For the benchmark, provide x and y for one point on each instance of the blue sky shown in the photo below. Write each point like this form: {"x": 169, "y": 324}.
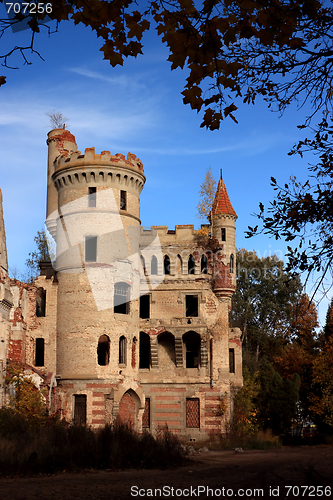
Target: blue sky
{"x": 137, "y": 108}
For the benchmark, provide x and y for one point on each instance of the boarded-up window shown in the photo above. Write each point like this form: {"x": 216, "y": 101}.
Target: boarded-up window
{"x": 146, "y": 415}
{"x": 193, "y": 413}
{"x": 92, "y": 197}
{"x": 91, "y": 249}
{"x": 232, "y": 360}
{"x": 39, "y": 352}
{"x": 40, "y": 302}
{"x": 80, "y": 409}
{"x": 145, "y": 306}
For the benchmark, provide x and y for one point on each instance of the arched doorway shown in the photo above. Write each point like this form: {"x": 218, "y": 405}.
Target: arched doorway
{"x": 128, "y": 409}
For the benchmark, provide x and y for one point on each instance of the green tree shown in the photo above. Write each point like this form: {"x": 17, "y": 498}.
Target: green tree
{"x": 262, "y": 304}
{"x": 328, "y": 328}
{"x": 41, "y": 254}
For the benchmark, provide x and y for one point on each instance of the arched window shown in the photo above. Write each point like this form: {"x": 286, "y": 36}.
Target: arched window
{"x": 122, "y": 350}
{"x": 166, "y": 350}
{"x": 231, "y": 264}
{"x": 153, "y": 266}
{"x": 166, "y": 264}
{"x": 144, "y": 350}
{"x": 103, "y": 350}
{"x": 191, "y": 265}
{"x": 122, "y": 297}
{"x": 204, "y": 264}
{"x": 191, "y": 341}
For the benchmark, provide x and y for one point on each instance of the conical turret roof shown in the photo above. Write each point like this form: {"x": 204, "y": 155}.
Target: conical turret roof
{"x": 222, "y": 204}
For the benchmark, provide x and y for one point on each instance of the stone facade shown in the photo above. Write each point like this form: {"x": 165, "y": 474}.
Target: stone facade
{"x": 129, "y": 323}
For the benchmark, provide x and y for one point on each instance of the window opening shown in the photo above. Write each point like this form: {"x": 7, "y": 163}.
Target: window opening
{"x": 122, "y": 296}
{"x": 122, "y": 350}
{"x": 80, "y": 409}
{"x": 123, "y": 200}
{"x": 192, "y": 345}
{"x": 191, "y": 265}
{"x": 146, "y": 415}
{"x": 231, "y": 360}
{"x": 223, "y": 234}
{"x": 166, "y": 264}
{"x": 153, "y": 266}
{"x": 40, "y": 302}
{"x": 91, "y": 249}
{"x": 193, "y": 413}
{"x": 231, "y": 264}
{"x": 39, "y": 352}
{"x": 192, "y": 306}
{"x": 103, "y": 350}
{"x": 204, "y": 264}
{"x": 92, "y": 197}
{"x": 179, "y": 265}
{"x": 145, "y": 306}
{"x": 144, "y": 352}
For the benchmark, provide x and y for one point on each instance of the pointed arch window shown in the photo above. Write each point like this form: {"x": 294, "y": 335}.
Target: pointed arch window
{"x": 191, "y": 265}
{"x": 179, "y": 265}
{"x": 166, "y": 263}
{"x": 153, "y": 266}
{"x": 231, "y": 264}
{"x": 204, "y": 264}
{"x": 122, "y": 350}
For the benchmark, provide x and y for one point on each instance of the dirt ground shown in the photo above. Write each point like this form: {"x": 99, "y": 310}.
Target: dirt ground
{"x": 227, "y": 474}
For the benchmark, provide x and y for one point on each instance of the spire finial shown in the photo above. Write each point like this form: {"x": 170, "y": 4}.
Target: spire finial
{"x": 221, "y": 173}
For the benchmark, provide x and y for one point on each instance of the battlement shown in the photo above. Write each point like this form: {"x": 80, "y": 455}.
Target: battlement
{"x": 105, "y": 158}
{"x": 182, "y": 233}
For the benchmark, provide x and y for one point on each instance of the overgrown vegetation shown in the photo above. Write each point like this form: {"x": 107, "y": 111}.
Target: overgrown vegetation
{"x": 56, "y": 445}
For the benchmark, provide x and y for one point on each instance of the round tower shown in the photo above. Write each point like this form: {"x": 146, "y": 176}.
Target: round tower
{"x": 98, "y": 269}
{"x": 223, "y": 218}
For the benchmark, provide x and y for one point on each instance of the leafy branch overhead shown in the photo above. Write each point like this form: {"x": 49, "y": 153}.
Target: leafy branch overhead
{"x": 234, "y": 50}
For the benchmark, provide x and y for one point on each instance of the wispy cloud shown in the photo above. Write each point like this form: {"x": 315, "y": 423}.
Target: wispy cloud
{"x": 119, "y": 81}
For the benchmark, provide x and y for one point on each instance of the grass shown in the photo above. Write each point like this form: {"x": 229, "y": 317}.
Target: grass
{"x": 57, "y": 446}
{"x": 260, "y": 440}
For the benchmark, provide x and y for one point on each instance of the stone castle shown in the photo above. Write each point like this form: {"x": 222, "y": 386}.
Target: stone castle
{"x": 127, "y": 323}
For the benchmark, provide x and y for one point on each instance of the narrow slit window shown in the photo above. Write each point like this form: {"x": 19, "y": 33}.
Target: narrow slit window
{"x": 191, "y": 265}
{"x": 223, "y": 234}
{"x": 39, "y": 352}
{"x": 204, "y": 264}
{"x": 40, "y": 302}
{"x": 166, "y": 264}
{"x": 146, "y": 415}
{"x": 123, "y": 200}
{"x": 92, "y": 197}
{"x": 231, "y": 264}
{"x": 231, "y": 360}
{"x": 91, "y": 249}
{"x": 153, "y": 266}
{"x": 122, "y": 350}
{"x": 145, "y": 306}
{"x": 144, "y": 350}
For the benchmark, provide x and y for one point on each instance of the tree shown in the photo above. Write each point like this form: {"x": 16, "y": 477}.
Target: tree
{"x": 303, "y": 212}
{"x": 38, "y": 256}
{"x": 234, "y": 50}
{"x": 262, "y": 304}
{"x": 328, "y": 328}
{"x": 207, "y": 195}
{"x": 57, "y": 119}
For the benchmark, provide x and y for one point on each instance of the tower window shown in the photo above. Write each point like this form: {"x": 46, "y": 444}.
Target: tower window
{"x": 91, "y": 249}
{"x": 123, "y": 200}
{"x": 192, "y": 306}
{"x": 39, "y": 352}
{"x": 122, "y": 350}
{"x": 231, "y": 264}
{"x": 145, "y": 306}
{"x": 122, "y": 295}
{"x": 191, "y": 265}
{"x": 223, "y": 238}
{"x": 92, "y": 197}
{"x": 204, "y": 264}
{"x": 231, "y": 360}
{"x": 103, "y": 350}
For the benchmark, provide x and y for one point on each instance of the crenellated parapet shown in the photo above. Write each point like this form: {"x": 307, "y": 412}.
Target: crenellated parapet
{"x": 98, "y": 169}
